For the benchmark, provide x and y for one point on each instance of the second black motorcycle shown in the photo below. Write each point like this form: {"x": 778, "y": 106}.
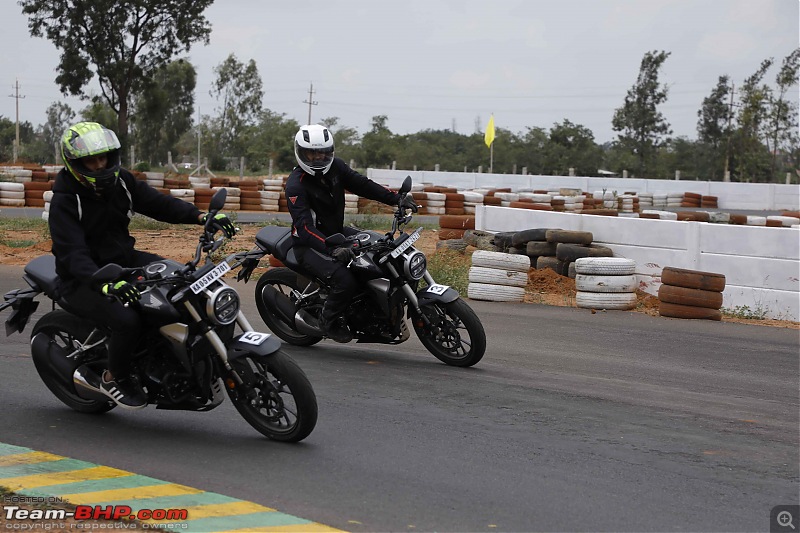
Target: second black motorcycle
{"x": 390, "y": 271}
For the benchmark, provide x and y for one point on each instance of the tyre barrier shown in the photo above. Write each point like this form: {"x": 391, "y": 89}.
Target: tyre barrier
{"x": 690, "y": 294}
{"x": 498, "y": 276}
{"x": 605, "y": 283}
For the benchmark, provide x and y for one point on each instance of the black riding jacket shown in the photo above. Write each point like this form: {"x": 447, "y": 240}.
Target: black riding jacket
{"x": 89, "y": 232}
{"x": 317, "y": 203}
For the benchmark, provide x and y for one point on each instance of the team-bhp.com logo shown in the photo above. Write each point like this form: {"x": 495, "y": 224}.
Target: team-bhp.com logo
{"x": 54, "y": 518}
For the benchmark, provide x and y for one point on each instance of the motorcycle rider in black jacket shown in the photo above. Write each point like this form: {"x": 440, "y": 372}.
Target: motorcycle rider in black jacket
{"x": 93, "y": 202}
{"x": 315, "y": 195}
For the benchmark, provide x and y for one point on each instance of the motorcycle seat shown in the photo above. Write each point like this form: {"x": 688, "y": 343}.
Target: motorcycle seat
{"x": 42, "y": 271}
{"x": 276, "y": 240}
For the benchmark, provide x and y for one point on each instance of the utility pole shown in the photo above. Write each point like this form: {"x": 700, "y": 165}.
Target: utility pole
{"x": 725, "y": 175}
{"x": 17, "y": 96}
{"x": 310, "y": 101}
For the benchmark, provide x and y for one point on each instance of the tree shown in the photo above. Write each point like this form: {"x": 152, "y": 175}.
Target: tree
{"x": 752, "y": 156}
{"x": 783, "y": 113}
{"x": 572, "y": 146}
{"x": 164, "y": 110}
{"x": 713, "y": 124}
{"x": 377, "y": 144}
{"x": 47, "y": 139}
{"x": 641, "y": 125}
{"x": 239, "y": 87}
{"x": 347, "y": 139}
{"x": 122, "y": 42}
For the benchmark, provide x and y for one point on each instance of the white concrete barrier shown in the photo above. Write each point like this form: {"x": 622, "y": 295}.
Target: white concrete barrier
{"x": 761, "y": 264}
{"x": 755, "y": 196}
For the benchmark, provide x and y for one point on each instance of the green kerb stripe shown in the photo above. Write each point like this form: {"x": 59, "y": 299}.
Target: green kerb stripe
{"x": 94, "y": 485}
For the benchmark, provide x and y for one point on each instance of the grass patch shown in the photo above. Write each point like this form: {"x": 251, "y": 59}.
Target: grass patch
{"x": 449, "y": 267}
{"x": 381, "y": 223}
{"x": 744, "y": 311}
{"x": 141, "y": 222}
{"x": 35, "y": 230}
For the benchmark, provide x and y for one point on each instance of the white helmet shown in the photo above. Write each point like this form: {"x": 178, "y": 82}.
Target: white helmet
{"x": 313, "y": 149}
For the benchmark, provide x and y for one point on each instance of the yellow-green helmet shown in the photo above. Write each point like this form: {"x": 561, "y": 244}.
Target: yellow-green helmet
{"x": 88, "y": 139}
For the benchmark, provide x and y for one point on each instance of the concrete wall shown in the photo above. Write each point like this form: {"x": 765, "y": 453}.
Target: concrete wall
{"x": 750, "y": 196}
{"x": 761, "y": 264}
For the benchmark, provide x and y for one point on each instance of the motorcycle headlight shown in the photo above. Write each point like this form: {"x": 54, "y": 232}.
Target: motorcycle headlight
{"x": 415, "y": 265}
{"x": 223, "y": 306}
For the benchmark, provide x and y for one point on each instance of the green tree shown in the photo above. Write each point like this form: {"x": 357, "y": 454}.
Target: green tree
{"x": 641, "y": 124}
{"x": 572, "y": 146}
{"x": 8, "y": 135}
{"x": 348, "y": 141}
{"x": 272, "y": 139}
{"x": 377, "y": 144}
{"x": 783, "y": 112}
{"x": 239, "y": 88}
{"x": 714, "y": 126}
{"x": 752, "y": 157}
{"x": 164, "y": 110}
{"x": 122, "y": 42}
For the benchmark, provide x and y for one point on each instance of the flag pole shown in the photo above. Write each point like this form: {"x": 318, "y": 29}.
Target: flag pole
{"x": 491, "y": 156}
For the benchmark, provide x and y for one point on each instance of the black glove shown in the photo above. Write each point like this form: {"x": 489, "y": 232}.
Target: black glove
{"x": 122, "y": 291}
{"x": 407, "y": 202}
{"x": 343, "y": 254}
{"x": 222, "y": 223}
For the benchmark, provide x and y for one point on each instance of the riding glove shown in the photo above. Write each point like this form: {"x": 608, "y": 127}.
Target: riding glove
{"x": 408, "y": 203}
{"x": 222, "y": 223}
{"x": 122, "y": 291}
{"x": 343, "y": 254}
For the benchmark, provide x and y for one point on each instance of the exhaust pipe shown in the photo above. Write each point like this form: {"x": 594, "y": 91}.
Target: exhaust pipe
{"x": 50, "y": 358}
{"x": 306, "y": 324}
{"x": 279, "y": 303}
{"x": 87, "y": 384}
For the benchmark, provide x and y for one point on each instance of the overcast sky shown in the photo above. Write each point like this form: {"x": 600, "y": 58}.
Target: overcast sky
{"x": 449, "y": 64}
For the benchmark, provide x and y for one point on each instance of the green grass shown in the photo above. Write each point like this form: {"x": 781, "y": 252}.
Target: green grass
{"x": 744, "y": 311}
{"x": 449, "y": 267}
{"x": 10, "y": 227}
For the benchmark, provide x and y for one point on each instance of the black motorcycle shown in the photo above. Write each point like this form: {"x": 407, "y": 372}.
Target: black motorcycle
{"x": 189, "y": 350}
{"x": 389, "y": 270}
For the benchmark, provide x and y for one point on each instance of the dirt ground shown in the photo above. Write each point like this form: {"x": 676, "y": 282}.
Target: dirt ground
{"x": 544, "y": 286}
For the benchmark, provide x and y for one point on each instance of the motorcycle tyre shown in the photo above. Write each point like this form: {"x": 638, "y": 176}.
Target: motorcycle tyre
{"x": 287, "y": 371}
{"x": 473, "y": 325}
{"x": 281, "y": 276}
{"x": 64, "y": 322}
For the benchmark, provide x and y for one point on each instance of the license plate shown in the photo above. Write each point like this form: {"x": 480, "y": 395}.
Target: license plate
{"x": 414, "y": 237}
{"x": 216, "y": 273}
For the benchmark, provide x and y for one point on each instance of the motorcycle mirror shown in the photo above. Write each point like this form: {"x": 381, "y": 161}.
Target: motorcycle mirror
{"x": 406, "y": 186}
{"x": 337, "y": 239}
{"x": 110, "y": 272}
{"x": 218, "y": 200}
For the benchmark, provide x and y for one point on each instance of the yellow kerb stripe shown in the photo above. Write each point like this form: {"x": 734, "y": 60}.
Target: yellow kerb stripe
{"x": 59, "y": 478}
{"x": 299, "y": 528}
{"x": 216, "y": 510}
{"x": 137, "y": 493}
{"x": 28, "y": 458}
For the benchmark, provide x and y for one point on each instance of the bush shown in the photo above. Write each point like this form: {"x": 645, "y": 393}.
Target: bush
{"x": 142, "y": 166}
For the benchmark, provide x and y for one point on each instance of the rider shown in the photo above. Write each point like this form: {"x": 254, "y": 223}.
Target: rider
{"x": 315, "y": 194}
{"x": 92, "y": 205}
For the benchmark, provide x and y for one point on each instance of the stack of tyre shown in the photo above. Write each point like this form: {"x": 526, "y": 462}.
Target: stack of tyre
{"x": 498, "y": 276}
{"x": 605, "y": 283}
{"x": 12, "y": 194}
{"x": 47, "y": 196}
{"x": 35, "y": 189}
{"x": 561, "y": 248}
{"x": 350, "y": 203}
{"x": 690, "y": 294}
{"x": 155, "y": 179}
{"x": 273, "y": 197}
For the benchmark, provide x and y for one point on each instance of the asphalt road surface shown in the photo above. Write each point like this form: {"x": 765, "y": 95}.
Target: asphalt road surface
{"x": 573, "y": 421}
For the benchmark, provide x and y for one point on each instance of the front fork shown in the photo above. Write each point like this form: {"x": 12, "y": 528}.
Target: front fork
{"x": 413, "y": 301}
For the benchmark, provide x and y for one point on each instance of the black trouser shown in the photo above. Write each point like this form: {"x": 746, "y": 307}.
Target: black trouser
{"x": 341, "y": 281}
{"x": 124, "y": 322}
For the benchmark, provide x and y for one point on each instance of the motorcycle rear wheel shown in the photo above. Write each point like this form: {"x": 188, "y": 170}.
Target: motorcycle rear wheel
{"x": 458, "y": 339}
{"x": 285, "y": 409}
{"x": 284, "y": 281}
{"x": 68, "y": 331}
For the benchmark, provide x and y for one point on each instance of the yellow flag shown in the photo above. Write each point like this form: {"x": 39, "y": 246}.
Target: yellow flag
{"x": 489, "y": 136}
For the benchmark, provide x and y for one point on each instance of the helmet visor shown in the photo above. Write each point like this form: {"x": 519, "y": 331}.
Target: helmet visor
{"x": 316, "y": 158}
{"x": 92, "y": 142}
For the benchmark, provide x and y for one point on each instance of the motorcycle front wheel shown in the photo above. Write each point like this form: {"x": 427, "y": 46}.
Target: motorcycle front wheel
{"x": 284, "y": 406}
{"x": 285, "y": 282}
{"x": 455, "y": 335}
{"x": 68, "y": 332}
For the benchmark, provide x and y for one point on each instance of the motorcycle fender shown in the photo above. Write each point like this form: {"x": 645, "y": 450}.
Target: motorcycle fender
{"x": 437, "y": 294}
{"x": 252, "y": 342}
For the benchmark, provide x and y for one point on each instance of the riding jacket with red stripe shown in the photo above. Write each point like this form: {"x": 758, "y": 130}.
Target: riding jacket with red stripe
{"x": 317, "y": 203}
